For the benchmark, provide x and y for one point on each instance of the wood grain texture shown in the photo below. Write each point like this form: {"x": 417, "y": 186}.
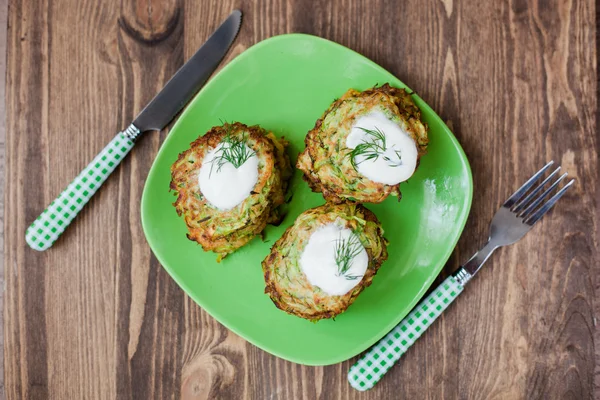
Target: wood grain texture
{"x": 3, "y": 24}
{"x": 97, "y": 317}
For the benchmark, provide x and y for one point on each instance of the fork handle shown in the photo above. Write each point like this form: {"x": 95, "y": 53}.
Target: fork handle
{"x": 371, "y": 367}
{"x": 52, "y": 222}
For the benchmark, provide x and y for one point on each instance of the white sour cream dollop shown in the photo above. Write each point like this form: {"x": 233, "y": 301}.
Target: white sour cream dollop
{"x": 318, "y": 260}
{"x": 397, "y": 163}
{"x": 227, "y": 187}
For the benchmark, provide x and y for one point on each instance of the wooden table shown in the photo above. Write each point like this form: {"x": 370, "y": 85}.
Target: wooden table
{"x": 97, "y": 317}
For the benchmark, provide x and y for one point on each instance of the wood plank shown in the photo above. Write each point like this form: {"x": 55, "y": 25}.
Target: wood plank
{"x": 97, "y": 317}
{"x": 3, "y": 25}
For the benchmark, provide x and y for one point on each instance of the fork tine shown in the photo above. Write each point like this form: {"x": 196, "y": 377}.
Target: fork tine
{"x": 523, "y": 202}
{"x": 548, "y": 205}
{"x": 526, "y": 186}
{"x": 541, "y": 198}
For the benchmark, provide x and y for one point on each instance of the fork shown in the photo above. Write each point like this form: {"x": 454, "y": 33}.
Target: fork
{"x": 511, "y": 222}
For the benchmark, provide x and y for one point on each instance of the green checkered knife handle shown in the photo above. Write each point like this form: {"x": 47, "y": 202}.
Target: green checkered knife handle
{"x": 52, "y": 222}
{"x": 371, "y": 367}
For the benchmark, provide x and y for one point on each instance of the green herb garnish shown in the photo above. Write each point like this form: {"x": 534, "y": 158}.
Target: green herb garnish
{"x": 233, "y": 150}
{"x": 373, "y": 149}
{"x": 345, "y": 251}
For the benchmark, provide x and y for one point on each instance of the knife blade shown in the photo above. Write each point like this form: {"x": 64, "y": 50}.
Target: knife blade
{"x": 178, "y": 91}
{"x": 189, "y": 78}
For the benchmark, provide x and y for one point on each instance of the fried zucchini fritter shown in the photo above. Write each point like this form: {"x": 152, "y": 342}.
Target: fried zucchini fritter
{"x": 224, "y": 231}
{"x": 287, "y": 284}
{"x": 327, "y": 160}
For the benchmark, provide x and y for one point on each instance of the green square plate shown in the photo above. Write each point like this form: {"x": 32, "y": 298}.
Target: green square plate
{"x": 284, "y": 84}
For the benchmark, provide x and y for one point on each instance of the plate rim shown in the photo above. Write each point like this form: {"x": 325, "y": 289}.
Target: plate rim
{"x": 426, "y": 284}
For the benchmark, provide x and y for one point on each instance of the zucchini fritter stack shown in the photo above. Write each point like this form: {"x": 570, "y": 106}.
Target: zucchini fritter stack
{"x": 326, "y": 163}
{"x": 287, "y": 284}
{"x": 224, "y": 231}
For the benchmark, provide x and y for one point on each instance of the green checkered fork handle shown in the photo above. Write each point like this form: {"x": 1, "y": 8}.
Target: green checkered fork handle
{"x": 371, "y": 367}
{"x": 52, "y": 222}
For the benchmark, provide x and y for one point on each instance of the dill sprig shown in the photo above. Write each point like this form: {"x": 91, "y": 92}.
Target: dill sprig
{"x": 233, "y": 150}
{"x": 373, "y": 149}
{"x": 345, "y": 251}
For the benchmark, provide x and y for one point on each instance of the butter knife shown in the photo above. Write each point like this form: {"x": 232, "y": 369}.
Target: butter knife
{"x": 52, "y": 222}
